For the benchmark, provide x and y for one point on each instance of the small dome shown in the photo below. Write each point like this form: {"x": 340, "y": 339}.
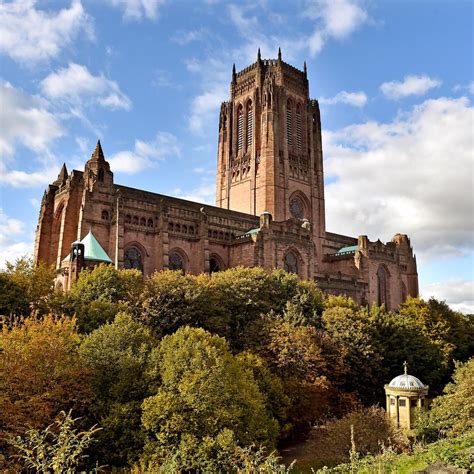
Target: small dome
{"x": 406, "y": 382}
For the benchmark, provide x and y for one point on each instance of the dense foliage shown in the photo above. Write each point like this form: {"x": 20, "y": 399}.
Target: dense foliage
{"x": 213, "y": 372}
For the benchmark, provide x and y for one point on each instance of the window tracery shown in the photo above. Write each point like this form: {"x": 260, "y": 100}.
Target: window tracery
{"x": 289, "y": 123}
{"x": 249, "y": 124}
{"x": 133, "y": 259}
{"x": 176, "y": 261}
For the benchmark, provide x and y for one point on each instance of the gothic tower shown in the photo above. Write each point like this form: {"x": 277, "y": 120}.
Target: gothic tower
{"x": 269, "y": 151}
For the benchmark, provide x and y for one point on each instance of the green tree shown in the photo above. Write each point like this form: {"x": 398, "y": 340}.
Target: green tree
{"x": 117, "y": 356}
{"x": 40, "y": 373}
{"x": 451, "y": 331}
{"x": 451, "y": 414}
{"x": 59, "y": 448}
{"x": 25, "y": 287}
{"x": 170, "y": 300}
{"x": 98, "y": 295}
{"x": 207, "y": 399}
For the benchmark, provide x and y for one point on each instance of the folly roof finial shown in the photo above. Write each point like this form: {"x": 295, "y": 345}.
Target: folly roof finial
{"x": 98, "y": 154}
{"x": 405, "y": 367}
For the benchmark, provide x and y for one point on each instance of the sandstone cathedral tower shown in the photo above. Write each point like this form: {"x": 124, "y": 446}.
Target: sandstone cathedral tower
{"x": 269, "y": 205}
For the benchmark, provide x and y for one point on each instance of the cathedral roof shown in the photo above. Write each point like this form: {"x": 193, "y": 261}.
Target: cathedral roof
{"x": 348, "y": 249}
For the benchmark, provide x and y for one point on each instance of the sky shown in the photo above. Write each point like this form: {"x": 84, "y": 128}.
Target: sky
{"x": 394, "y": 79}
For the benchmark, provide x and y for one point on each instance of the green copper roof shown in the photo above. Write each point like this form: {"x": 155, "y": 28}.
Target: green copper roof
{"x": 93, "y": 250}
{"x": 349, "y": 249}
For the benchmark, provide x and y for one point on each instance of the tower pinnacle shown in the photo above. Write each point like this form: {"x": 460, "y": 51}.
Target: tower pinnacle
{"x": 98, "y": 154}
{"x": 279, "y": 54}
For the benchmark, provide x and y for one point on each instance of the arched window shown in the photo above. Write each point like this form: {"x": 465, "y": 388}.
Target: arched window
{"x": 382, "y": 286}
{"x": 143, "y": 221}
{"x": 291, "y": 262}
{"x": 133, "y": 259}
{"x": 135, "y": 220}
{"x": 289, "y": 123}
{"x": 215, "y": 264}
{"x": 299, "y": 133}
{"x": 249, "y": 123}
{"x": 185, "y": 229}
{"x": 176, "y": 261}
{"x": 128, "y": 219}
{"x": 170, "y": 226}
{"x": 240, "y": 128}
{"x": 191, "y": 230}
{"x": 100, "y": 176}
{"x": 105, "y": 215}
{"x": 150, "y": 223}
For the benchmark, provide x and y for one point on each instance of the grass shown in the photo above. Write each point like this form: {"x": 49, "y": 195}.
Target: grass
{"x": 453, "y": 451}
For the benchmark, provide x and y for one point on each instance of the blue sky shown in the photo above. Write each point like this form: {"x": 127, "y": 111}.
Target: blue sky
{"x": 394, "y": 80}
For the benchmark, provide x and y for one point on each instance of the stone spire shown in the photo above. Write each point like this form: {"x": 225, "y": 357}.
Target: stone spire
{"x": 234, "y": 74}
{"x": 305, "y": 69}
{"x": 279, "y": 54}
{"x": 62, "y": 176}
{"x": 98, "y": 154}
{"x": 259, "y": 57}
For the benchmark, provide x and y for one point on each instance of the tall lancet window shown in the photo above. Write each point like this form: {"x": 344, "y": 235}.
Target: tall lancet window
{"x": 298, "y": 128}
{"x": 240, "y": 128}
{"x": 249, "y": 124}
{"x": 289, "y": 123}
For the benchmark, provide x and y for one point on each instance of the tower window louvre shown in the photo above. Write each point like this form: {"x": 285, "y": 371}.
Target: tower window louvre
{"x": 249, "y": 125}
{"x": 298, "y": 129}
{"x": 240, "y": 131}
{"x": 289, "y": 125}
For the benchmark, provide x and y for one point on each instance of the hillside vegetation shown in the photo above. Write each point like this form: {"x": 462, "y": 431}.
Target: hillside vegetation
{"x": 215, "y": 373}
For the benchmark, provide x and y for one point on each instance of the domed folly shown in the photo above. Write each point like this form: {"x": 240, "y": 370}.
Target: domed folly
{"x": 404, "y": 394}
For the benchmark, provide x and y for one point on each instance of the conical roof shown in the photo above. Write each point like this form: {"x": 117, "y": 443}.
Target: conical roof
{"x": 92, "y": 249}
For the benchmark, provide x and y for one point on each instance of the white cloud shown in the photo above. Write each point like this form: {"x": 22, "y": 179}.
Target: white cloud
{"x": 412, "y": 175}
{"x": 411, "y": 85}
{"x": 76, "y": 85}
{"x": 356, "y": 99}
{"x": 205, "y": 193}
{"x": 10, "y": 250}
{"x": 29, "y": 35}
{"x": 340, "y": 18}
{"x": 145, "y": 154}
{"x": 138, "y": 9}
{"x": 183, "y": 37}
{"x": 457, "y": 292}
{"x": 26, "y": 179}
{"x": 26, "y": 120}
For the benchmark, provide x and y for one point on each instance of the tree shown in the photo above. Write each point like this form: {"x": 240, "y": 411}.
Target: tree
{"x": 117, "y": 356}
{"x": 25, "y": 287}
{"x": 207, "y": 400}
{"x": 98, "y": 295}
{"x": 451, "y": 331}
{"x": 59, "y": 448}
{"x": 40, "y": 373}
{"x": 170, "y": 300}
{"x": 451, "y": 414}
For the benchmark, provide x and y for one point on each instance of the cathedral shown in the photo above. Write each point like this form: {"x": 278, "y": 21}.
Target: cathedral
{"x": 269, "y": 208}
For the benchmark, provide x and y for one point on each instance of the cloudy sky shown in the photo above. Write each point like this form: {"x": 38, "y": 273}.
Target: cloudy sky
{"x": 394, "y": 80}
